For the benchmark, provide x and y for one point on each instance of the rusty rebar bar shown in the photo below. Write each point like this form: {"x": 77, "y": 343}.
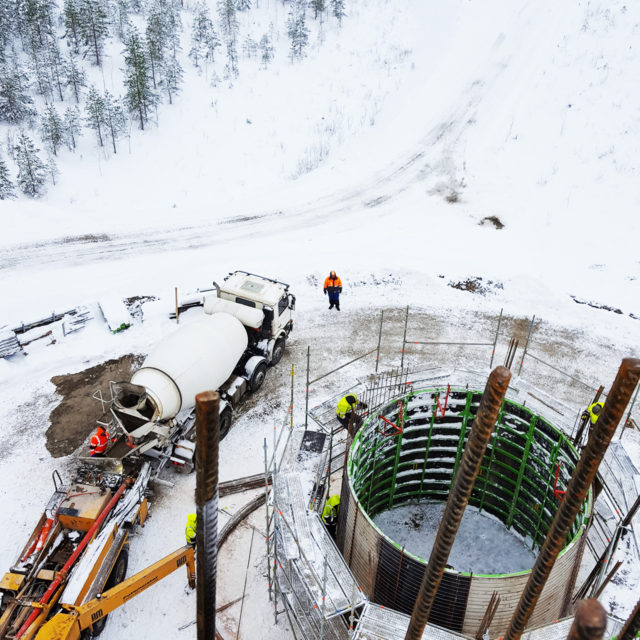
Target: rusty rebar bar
{"x": 590, "y": 621}
{"x": 207, "y": 440}
{"x": 481, "y": 431}
{"x": 581, "y": 479}
{"x": 632, "y": 625}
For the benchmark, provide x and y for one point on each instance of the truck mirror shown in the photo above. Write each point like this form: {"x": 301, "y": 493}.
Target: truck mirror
{"x": 292, "y": 302}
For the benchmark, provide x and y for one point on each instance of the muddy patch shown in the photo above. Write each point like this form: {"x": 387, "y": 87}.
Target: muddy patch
{"x": 75, "y": 417}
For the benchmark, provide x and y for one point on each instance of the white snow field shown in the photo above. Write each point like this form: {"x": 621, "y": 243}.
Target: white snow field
{"x": 382, "y": 155}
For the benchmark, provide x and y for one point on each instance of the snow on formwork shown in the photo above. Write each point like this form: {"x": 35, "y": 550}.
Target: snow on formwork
{"x": 409, "y": 450}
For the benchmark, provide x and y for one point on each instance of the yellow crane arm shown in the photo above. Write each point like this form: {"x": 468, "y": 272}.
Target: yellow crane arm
{"x": 69, "y": 624}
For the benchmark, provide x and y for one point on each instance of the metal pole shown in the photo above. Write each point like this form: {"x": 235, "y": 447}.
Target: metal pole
{"x": 266, "y": 503}
{"x": 495, "y": 342}
{"x": 291, "y": 406}
{"x": 324, "y": 598}
{"x": 207, "y": 439}
{"x": 177, "y": 315}
{"x": 590, "y": 621}
{"x": 632, "y": 625}
{"x": 354, "y": 595}
{"x": 306, "y": 403}
{"x": 379, "y": 340}
{"x": 468, "y": 469}
{"x": 581, "y": 479}
{"x": 404, "y": 337}
{"x": 524, "y": 353}
{"x": 635, "y": 397}
{"x": 275, "y": 545}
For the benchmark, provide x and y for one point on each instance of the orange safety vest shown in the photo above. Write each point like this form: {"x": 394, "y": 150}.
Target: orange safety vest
{"x": 99, "y": 440}
{"x": 330, "y": 282}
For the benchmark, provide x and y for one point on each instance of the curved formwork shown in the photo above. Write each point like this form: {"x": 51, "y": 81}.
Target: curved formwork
{"x": 412, "y": 456}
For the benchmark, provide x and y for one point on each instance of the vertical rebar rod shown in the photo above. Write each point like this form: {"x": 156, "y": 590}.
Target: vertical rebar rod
{"x": 267, "y": 527}
{"x": 526, "y": 346}
{"x": 468, "y": 469}
{"x": 379, "y": 340}
{"x": 352, "y": 615}
{"x": 207, "y": 439}
{"x": 495, "y": 341}
{"x": 404, "y": 337}
{"x": 633, "y": 402}
{"x": 590, "y": 621}
{"x": 576, "y": 492}
{"x": 177, "y": 314}
{"x": 306, "y": 402}
{"x": 632, "y": 625}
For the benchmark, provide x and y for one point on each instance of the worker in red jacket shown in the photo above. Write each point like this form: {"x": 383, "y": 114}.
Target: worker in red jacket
{"x": 333, "y": 287}
{"x": 99, "y": 442}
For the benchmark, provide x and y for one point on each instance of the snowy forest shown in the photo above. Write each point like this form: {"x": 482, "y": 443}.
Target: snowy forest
{"x": 53, "y": 77}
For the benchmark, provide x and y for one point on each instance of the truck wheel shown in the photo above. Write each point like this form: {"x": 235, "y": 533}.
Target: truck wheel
{"x": 116, "y": 576}
{"x": 278, "y": 350}
{"x": 257, "y": 377}
{"x": 225, "y": 423}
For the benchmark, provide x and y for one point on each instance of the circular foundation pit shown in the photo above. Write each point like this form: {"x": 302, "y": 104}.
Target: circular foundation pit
{"x": 400, "y": 470}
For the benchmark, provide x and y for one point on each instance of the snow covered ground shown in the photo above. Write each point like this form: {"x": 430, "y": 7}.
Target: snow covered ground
{"x": 379, "y": 156}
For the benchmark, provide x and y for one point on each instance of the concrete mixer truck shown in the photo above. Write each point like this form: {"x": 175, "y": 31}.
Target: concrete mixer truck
{"x": 243, "y": 331}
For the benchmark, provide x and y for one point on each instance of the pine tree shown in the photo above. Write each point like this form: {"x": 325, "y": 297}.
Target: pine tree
{"x": 250, "y": 47}
{"x": 243, "y": 5}
{"x": 120, "y": 19}
{"x": 229, "y": 27}
{"x": 15, "y": 103}
{"x": 72, "y": 127}
{"x": 318, "y": 7}
{"x": 171, "y": 76}
{"x": 114, "y": 118}
{"x": 297, "y": 29}
{"x": 52, "y": 128}
{"x": 51, "y": 166}
{"x": 6, "y": 27}
{"x": 94, "y": 109}
{"x": 266, "y": 50}
{"x": 56, "y": 65}
{"x": 337, "y": 7}
{"x": 31, "y": 170}
{"x": 7, "y": 189}
{"x": 155, "y": 37}
{"x": 204, "y": 39}
{"x": 75, "y": 77}
{"x": 93, "y": 27}
{"x": 140, "y": 97}
{"x": 35, "y": 22}
{"x": 71, "y": 15}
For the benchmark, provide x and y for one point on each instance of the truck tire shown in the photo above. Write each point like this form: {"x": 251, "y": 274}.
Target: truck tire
{"x": 225, "y": 422}
{"x": 257, "y": 377}
{"x": 278, "y": 350}
{"x": 117, "y": 575}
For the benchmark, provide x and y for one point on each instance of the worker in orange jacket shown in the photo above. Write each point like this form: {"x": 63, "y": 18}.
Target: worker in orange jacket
{"x": 333, "y": 287}
{"x": 99, "y": 442}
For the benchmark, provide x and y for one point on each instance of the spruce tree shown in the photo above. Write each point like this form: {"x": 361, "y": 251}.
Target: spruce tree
{"x": 297, "y": 28}
{"x": 204, "y": 39}
{"x": 155, "y": 37}
{"x": 7, "y": 188}
{"x": 72, "y": 127}
{"x": 229, "y": 27}
{"x": 94, "y": 110}
{"x": 93, "y": 27}
{"x": 337, "y": 8}
{"x": 56, "y": 65}
{"x": 171, "y": 76}
{"x": 52, "y": 128}
{"x": 318, "y": 7}
{"x": 51, "y": 167}
{"x": 266, "y": 50}
{"x": 114, "y": 119}
{"x": 71, "y": 14}
{"x": 75, "y": 77}
{"x": 243, "y": 5}
{"x": 15, "y": 103}
{"x": 31, "y": 170}
{"x": 140, "y": 97}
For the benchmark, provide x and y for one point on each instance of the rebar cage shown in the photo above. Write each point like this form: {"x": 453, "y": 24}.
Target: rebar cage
{"x": 409, "y": 450}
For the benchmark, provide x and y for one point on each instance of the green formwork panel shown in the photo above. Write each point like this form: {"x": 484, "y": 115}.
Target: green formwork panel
{"x": 517, "y": 474}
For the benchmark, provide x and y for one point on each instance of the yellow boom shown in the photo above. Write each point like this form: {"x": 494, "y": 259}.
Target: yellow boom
{"x": 69, "y": 624}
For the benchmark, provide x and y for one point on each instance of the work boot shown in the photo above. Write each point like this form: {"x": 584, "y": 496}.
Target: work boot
{"x": 338, "y": 306}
